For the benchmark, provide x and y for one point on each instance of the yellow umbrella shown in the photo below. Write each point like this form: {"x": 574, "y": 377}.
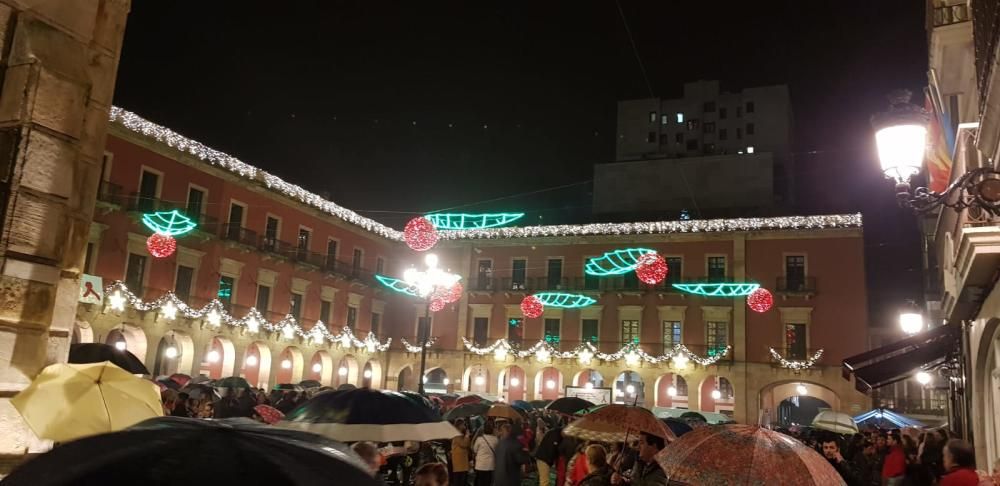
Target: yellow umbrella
{"x": 69, "y": 401}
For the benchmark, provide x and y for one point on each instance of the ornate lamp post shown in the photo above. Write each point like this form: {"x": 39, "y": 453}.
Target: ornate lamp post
{"x": 426, "y": 284}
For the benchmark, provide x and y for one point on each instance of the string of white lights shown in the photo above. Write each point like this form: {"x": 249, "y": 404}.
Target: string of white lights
{"x": 214, "y": 313}
{"x": 543, "y": 351}
{"x": 796, "y": 365}
{"x": 415, "y": 348}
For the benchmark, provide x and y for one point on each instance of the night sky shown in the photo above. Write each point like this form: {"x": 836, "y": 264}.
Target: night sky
{"x": 394, "y": 109}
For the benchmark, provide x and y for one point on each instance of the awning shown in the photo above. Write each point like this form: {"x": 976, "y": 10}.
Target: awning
{"x": 899, "y": 360}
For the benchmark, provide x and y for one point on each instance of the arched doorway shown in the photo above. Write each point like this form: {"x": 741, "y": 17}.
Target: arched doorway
{"x": 476, "y": 378}
{"x": 511, "y": 384}
{"x": 629, "y": 389}
{"x": 290, "y": 365}
{"x": 174, "y": 354}
{"x": 666, "y": 391}
{"x": 716, "y": 395}
{"x": 131, "y": 337}
{"x": 347, "y": 371}
{"x": 988, "y": 373}
{"x": 320, "y": 368}
{"x": 787, "y": 402}
{"x": 436, "y": 381}
{"x": 219, "y": 358}
{"x": 83, "y": 333}
{"x": 588, "y": 375}
{"x": 403, "y": 381}
{"x": 371, "y": 376}
{"x": 257, "y": 364}
{"x": 548, "y": 384}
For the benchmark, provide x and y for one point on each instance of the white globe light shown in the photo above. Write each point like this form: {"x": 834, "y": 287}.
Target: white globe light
{"x": 431, "y": 260}
{"x": 446, "y": 382}
{"x": 342, "y": 371}
{"x": 120, "y": 345}
{"x": 170, "y": 352}
{"x": 286, "y": 364}
{"x": 411, "y": 275}
{"x": 317, "y": 367}
{"x": 631, "y": 358}
{"x": 923, "y": 377}
{"x": 672, "y": 391}
{"x": 550, "y": 384}
{"x": 630, "y": 388}
{"x": 588, "y": 385}
{"x": 901, "y": 150}
{"x": 213, "y": 356}
{"x": 251, "y": 361}
{"x": 514, "y": 381}
{"x": 480, "y": 380}
{"x": 716, "y": 394}
{"x": 911, "y": 322}
{"x": 801, "y": 390}
{"x": 368, "y": 374}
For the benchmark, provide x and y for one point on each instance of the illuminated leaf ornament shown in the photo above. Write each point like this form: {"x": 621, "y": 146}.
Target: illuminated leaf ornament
{"x": 615, "y": 262}
{"x": 165, "y": 225}
{"x": 760, "y": 300}
{"x": 420, "y": 234}
{"x": 718, "y": 289}
{"x": 651, "y": 268}
{"x": 563, "y": 300}
{"x": 532, "y": 307}
{"x": 397, "y": 285}
{"x": 464, "y": 221}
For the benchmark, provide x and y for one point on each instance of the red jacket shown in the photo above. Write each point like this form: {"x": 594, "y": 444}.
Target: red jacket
{"x": 960, "y": 477}
{"x": 895, "y": 463}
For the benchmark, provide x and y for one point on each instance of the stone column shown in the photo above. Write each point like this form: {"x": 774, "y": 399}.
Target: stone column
{"x": 60, "y": 60}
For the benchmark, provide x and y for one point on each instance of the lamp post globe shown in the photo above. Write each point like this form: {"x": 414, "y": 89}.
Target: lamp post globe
{"x": 901, "y": 139}
{"x": 911, "y": 322}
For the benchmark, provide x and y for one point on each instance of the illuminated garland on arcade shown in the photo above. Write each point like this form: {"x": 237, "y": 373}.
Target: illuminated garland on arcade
{"x": 214, "y": 314}
{"x": 631, "y": 353}
{"x": 796, "y": 365}
{"x": 415, "y": 348}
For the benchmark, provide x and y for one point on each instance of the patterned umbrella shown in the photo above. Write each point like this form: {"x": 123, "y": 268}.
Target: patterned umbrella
{"x": 836, "y": 422}
{"x": 614, "y": 423}
{"x": 738, "y": 454}
{"x": 270, "y": 414}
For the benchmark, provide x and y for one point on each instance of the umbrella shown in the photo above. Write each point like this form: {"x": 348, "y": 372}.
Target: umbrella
{"x": 614, "y": 423}
{"x": 168, "y": 384}
{"x": 173, "y": 450}
{"x": 522, "y": 405}
{"x": 568, "y": 405}
{"x": 231, "y": 382}
{"x": 371, "y": 415}
{"x": 200, "y": 391}
{"x": 590, "y": 410}
{"x": 180, "y": 378}
{"x": 288, "y": 386}
{"x": 346, "y": 386}
{"x": 677, "y": 426}
{"x": 693, "y": 416}
{"x": 83, "y": 353}
{"x": 310, "y": 384}
{"x": 467, "y": 410}
{"x": 744, "y": 455}
{"x": 200, "y": 379}
{"x": 540, "y": 404}
{"x": 504, "y": 411}
{"x": 69, "y": 401}
{"x": 470, "y": 399}
{"x": 270, "y": 414}
{"x": 836, "y": 422}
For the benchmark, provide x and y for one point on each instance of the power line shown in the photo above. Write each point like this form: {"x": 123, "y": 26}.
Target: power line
{"x": 642, "y": 67}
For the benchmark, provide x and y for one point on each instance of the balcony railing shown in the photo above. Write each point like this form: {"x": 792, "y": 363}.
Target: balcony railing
{"x": 796, "y": 285}
{"x": 110, "y": 193}
{"x": 986, "y": 36}
{"x": 236, "y": 233}
{"x": 941, "y": 16}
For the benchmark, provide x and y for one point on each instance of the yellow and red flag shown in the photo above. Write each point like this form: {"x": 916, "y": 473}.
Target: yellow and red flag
{"x": 937, "y": 154}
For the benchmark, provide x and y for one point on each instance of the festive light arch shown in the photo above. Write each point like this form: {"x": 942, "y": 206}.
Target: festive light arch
{"x": 466, "y": 221}
{"x": 615, "y": 262}
{"x": 718, "y": 289}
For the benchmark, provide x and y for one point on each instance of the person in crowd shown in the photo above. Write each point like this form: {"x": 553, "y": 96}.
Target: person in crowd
{"x": 484, "y": 451}
{"x": 181, "y": 408}
{"x": 931, "y": 454}
{"x": 369, "y": 453}
{"x": 866, "y": 463}
{"x": 881, "y": 444}
{"x": 540, "y": 430}
{"x": 207, "y": 410}
{"x": 287, "y": 402}
{"x": 646, "y": 471}
{"x": 576, "y": 469}
{"x": 510, "y": 456}
{"x": 567, "y": 448}
{"x": 432, "y": 474}
{"x": 460, "y": 447}
{"x": 546, "y": 454}
{"x": 846, "y": 469}
{"x": 960, "y": 463}
{"x": 894, "y": 467}
{"x": 599, "y": 474}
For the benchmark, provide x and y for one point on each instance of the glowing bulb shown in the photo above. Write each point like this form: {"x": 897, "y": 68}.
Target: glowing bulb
{"x": 286, "y": 364}
{"x": 911, "y": 322}
{"x": 169, "y": 311}
{"x": 252, "y": 324}
{"x": 550, "y": 384}
{"x": 630, "y": 388}
{"x": 680, "y": 361}
{"x": 923, "y": 377}
{"x": 213, "y": 317}
{"x": 431, "y": 260}
{"x": 513, "y": 381}
{"x": 542, "y": 355}
{"x": 585, "y": 356}
{"x": 801, "y": 390}
{"x": 213, "y": 356}
{"x": 117, "y": 301}
{"x": 716, "y": 394}
{"x": 170, "y": 352}
{"x": 425, "y": 379}
{"x": 120, "y": 345}
{"x": 480, "y": 381}
{"x": 317, "y": 367}
{"x": 672, "y": 391}
{"x": 411, "y": 275}
{"x": 367, "y": 374}
{"x": 588, "y": 385}
{"x": 251, "y": 361}
{"x": 901, "y": 150}
{"x": 288, "y": 331}
{"x": 342, "y": 371}
{"x": 446, "y": 381}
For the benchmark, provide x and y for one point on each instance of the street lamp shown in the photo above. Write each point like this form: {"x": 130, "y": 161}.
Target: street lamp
{"x": 923, "y": 377}
{"x": 426, "y": 284}
{"x": 901, "y": 139}
{"x": 911, "y": 321}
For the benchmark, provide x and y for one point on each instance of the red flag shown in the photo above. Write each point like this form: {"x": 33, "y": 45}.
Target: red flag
{"x": 938, "y": 158}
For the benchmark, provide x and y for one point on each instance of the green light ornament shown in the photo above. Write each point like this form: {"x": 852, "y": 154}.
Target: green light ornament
{"x": 397, "y": 285}
{"x": 718, "y": 289}
{"x": 168, "y": 223}
{"x": 564, "y": 300}
{"x": 615, "y": 262}
{"x": 465, "y": 221}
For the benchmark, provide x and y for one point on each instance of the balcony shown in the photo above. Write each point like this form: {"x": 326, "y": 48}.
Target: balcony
{"x": 110, "y": 194}
{"x": 942, "y": 15}
{"x": 235, "y": 233}
{"x": 146, "y": 204}
{"x": 796, "y": 287}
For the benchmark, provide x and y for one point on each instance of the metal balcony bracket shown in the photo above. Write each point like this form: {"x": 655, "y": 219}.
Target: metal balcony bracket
{"x": 977, "y": 188}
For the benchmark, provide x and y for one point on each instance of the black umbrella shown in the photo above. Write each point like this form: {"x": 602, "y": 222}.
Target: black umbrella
{"x": 568, "y": 405}
{"x": 98, "y": 352}
{"x": 310, "y": 384}
{"x": 693, "y": 417}
{"x": 169, "y": 384}
{"x": 540, "y": 404}
{"x": 346, "y": 386}
{"x": 288, "y": 386}
{"x": 172, "y": 450}
{"x": 677, "y": 426}
{"x": 199, "y": 391}
{"x": 467, "y": 410}
{"x": 365, "y": 414}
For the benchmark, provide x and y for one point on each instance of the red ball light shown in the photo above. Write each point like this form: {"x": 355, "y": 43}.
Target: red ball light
{"x": 161, "y": 246}
{"x": 420, "y": 234}
{"x": 454, "y": 293}
{"x": 531, "y": 307}
{"x": 437, "y": 304}
{"x": 651, "y": 268}
{"x": 760, "y": 300}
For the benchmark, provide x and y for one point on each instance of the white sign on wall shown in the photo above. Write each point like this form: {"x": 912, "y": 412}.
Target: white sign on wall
{"x": 597, "y": 396}
{"x": 91, "y": 289}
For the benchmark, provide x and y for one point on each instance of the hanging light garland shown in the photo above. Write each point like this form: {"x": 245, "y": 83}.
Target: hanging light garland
{"x": 796, "y": 365}
{"x": 584, "y": 353}
{"x": 414, "y": 348}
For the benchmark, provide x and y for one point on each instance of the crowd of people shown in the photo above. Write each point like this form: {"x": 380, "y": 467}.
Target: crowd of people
{"x": 254, "y": 403}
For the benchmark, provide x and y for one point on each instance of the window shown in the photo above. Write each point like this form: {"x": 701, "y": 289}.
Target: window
{"x": 552, "y": 331}
{"x": 376, "y": 322}
{"x": 480, "y": 330}
{"x": 225, "y": 293}
{"x": 195, "y": 203}
{"x": 795, "y": 272}
{"x": 671, "y": 334}
{"x": 708, "y": 127}
{"x": 723, "y": 134}
{"x": 709, "y": 148}
{"x": 795, "y": 341}
{"x": 271, "y": 233}
{"x": 674, "y": 270}
{"x": 630, "y": 281}
{"x": 352, "y": 317}
{"x": 590, "y": 332}
{"x": 591, "y": 282}
{"x": 664, "y": 119}
{"x": 484, "y": 275}
{"x": 515, "y": 330}
{"x": 379, "y": 265}
{"x": 708, "y": 107}
{"x": 716, "y": 268}
{"x": 518, "y": 274}
{"x": 739, "y": 133}
{"x": 692, "y": 145}
{"x": 325, "y": 306}
{"x": 692, "y": 125}
{"x": 263, "y": 298}
{"x": 750, "y": 149}
{"x": 331, "y": 253}
{"x": 680, "y": 117}
{"x": 296, "y": 306}
{"x": 679, "y": 138}
{"x": 681, "y": 386}
{"x": 235, "y": 226}
{"x": 651, "y": 137}
{"x": 88, "y": 259}
{"x": 716, "y": 337}
{"x": 723, "y": 113}
{"x": 182, "y": 284}
{"x": 652, "y": 117}
{"x": 726, "y": 389}
{"x": 135, "y": 273}
{"x": 630, "y": 331}
{"x": 739, "y": 112}
{"x": 303, "y": 241}
{"x": 149, "y": 184}
{"x": 750, "y": 129}
{"x": 356, "y": 263}
{"x": 750, "y": 107}
{"x": 554, "y": 275}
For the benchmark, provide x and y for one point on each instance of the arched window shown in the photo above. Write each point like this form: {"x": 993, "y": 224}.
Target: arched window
{"x": 726, "y": 389}
{"x": 682, "y": 386}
